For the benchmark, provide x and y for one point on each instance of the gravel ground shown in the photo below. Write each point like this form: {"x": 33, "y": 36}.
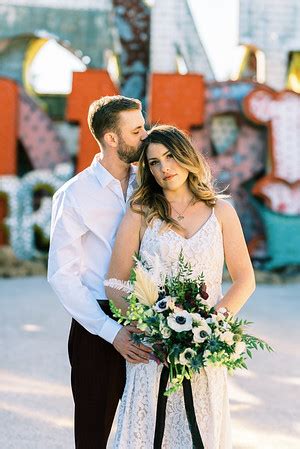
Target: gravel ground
{"x": 35, "y": 398}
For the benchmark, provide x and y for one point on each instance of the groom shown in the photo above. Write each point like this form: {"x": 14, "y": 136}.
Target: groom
{"x": 87, "y": 211}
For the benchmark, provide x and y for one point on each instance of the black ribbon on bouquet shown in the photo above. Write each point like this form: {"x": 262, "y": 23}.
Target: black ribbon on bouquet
{"x": 161, "y": 412}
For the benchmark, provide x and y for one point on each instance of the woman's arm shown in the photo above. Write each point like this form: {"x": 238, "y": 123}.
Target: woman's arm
{"x": 126, "y": 245}
{"x": 237, "y": 259}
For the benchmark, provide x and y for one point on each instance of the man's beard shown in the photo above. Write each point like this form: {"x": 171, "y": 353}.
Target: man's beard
{"x": 127, "y": 153}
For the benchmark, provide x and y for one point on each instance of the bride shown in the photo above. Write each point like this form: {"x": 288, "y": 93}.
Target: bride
{"x": 175, "y": 208}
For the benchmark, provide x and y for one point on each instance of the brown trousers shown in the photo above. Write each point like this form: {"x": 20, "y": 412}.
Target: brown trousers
{"x": 98, "y": 377}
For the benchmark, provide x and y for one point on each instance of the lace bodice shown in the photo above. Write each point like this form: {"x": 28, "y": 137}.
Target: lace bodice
{"x": 204, "y": 250}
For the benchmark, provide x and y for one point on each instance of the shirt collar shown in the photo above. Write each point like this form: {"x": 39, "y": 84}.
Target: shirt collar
{"x": 104, "y": 176}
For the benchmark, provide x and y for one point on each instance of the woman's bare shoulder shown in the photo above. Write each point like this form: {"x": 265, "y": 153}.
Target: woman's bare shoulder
{"x": 224, "y": 210}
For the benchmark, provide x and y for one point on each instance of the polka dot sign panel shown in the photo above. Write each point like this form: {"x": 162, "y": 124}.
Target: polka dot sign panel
{"x": 280, "y": 112}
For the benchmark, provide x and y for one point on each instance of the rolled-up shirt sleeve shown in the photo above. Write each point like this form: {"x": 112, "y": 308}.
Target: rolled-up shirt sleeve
{"x": 64, "y": 263}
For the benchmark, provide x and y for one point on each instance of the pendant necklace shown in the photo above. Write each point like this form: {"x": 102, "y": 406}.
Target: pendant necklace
{"x": 180, "y": 215}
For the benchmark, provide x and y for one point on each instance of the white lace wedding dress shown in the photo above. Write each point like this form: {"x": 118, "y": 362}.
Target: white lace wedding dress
{"x": 137, "y": 413}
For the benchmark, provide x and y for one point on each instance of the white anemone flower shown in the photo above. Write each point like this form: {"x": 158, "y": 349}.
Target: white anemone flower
{"x": 197, "y": 318}
{"x": 202, "y": 332}
{"x": 186, "y": 356}
{"x": 164, "y": 304}
{"x": 227, "y": 337}
{"x": 180, "y": 321}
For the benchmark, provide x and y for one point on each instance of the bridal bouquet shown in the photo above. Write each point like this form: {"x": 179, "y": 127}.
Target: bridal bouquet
{"x": 174, "y": 316}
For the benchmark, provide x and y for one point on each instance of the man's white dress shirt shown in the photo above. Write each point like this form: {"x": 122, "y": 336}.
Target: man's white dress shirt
{"x": 87, "y": 211}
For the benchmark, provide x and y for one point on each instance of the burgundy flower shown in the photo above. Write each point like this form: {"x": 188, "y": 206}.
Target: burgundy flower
{"x": 203, "y": 294}
{"x": 192, "y": 303}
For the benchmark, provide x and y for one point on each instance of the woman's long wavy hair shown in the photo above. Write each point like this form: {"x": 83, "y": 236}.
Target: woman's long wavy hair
{"x": 149, "y": 199}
